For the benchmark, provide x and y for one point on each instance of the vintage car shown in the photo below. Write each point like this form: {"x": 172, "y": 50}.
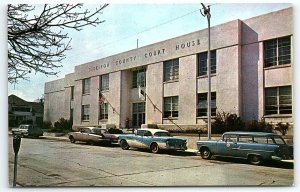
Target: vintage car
{"x": 95, "y": 135}
{"x": 254, "y": 146}
{"x": 27, "y": 130}
{"x": 153, "y": 139}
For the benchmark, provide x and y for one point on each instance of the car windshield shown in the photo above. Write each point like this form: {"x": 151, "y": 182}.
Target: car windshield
{"x": 162, "y": 134}
{"x": 278, "y": 140}
{"x": 98, "y": 131}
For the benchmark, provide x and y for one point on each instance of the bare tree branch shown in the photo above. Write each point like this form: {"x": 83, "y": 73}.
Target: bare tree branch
{"x": 36, "y": 42}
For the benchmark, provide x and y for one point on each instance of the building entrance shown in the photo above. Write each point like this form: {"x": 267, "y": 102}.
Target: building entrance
{"x": 138, "y": 114}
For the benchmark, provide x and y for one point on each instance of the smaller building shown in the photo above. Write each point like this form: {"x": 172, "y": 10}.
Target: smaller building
{"x": 21, "y": 111}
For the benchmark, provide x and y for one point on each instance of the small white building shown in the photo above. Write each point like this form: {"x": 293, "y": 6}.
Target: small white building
{"x": 252, "y": 76}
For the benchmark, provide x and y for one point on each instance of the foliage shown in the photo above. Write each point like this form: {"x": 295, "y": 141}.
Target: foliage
{"x": 259, "y": 126}
{"x": 226, "y": 122}
{"x": 47, "y": 125}
{"x": 282, "y": 128}
{"x": 35, "y": 38}
{"x": 63, "y": 125}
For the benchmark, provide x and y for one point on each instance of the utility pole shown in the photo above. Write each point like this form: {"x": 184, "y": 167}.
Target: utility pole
{"x": 206, "y": 13}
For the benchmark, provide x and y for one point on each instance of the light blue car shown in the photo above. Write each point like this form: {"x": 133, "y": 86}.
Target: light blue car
{"x": 254, "y": 146}
{"x": 153, "y": 139}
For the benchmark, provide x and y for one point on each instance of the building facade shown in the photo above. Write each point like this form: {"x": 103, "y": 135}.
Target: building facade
{"x": 252, "y": 76}
{"x": 24, "y": 112}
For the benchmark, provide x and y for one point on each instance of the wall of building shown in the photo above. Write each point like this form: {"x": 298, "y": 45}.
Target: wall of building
{"x": 239, "y": 82}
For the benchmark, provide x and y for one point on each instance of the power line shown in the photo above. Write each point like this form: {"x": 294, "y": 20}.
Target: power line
{"x": 143, "y": 31}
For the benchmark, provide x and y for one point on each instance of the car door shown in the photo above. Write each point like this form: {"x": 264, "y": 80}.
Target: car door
{"x": 138, "y": 139}
{"x": 147, "y": 138}
{"x": 227, "y": 146}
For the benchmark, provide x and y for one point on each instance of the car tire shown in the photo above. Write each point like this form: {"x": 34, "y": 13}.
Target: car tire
{"x": 154, "y": 148}
{"x": 124, "y": 145}
{"x": 205, "y": 153}
{"x": 255, "y": 159}
{"x": 72, "y": 140}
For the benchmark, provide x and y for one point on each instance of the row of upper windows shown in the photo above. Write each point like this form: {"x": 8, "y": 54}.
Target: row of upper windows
{"x": 278, "y": 100}
{"x": 276, "y": 52}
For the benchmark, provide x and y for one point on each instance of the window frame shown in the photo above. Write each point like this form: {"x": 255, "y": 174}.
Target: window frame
{"x": 135, "y": 80}
{"x": 202, "y": 59}
{"x": 86, "y": 86}
{"x": 275, "y": 52}
{"x": 173, "y": 73}
{"x": 85, "y": 117}
{"x": 213, "y": 108}
{"x": 278, "y": 98}
{"x": 104, "y": 82}
{"x": 173, "y": 113}
{"x": 103, "y": 111}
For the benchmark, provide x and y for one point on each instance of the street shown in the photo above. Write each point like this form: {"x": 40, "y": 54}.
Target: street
{"x": 43, "y": 162}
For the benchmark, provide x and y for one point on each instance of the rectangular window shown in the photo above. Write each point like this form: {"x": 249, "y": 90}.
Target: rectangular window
{"x": 104, "y": 111}
{"x": 277, "y": 51}
{"x": 278, "y": 100}
{"x": 86, "y": 86}
{"x": 202, "y": 104}
{"x": 85, "y": 112}
{"x": 202, "y": 63}
{"x": 72, "y": 93}
{"x": 139, "y": 78}
{"x": 171, "y": 106}
{"x": 171, "y": 70}
{"x": 104, "y": 82}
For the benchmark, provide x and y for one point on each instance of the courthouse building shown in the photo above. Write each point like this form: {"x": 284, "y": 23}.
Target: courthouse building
{"x": 251, "y": 76}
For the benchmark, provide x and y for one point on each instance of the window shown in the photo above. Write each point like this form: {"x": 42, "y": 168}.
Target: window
{"x": 139, "y": 78}
{"x": 72, "y": 93}
{"x": 171, "y": 70}
{"x": 86, "y": 86}
{"x": 104, "y": 82}
{"x": 171, "y": 106}
{"x": 202, "y": 104}
{"x": 104, "y": 111}
{"x": 277, "y": 51}
{"x": 202, "y": 63}
{"x": 278, "y": 100}
{"x": 85, "y": 112}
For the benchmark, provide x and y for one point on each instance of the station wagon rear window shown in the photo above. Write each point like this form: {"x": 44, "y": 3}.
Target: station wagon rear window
{"x": 162, "y": 134}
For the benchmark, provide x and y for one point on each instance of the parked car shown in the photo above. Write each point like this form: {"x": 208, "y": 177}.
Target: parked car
{"x": 153, "y": 139}
{"x": 95, "y": 135}
{"x": 254, "y": 146}
{"x": 27, "y": 130}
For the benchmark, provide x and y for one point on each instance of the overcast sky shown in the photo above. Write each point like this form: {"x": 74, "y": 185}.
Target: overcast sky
{"x": 125, "y": 23}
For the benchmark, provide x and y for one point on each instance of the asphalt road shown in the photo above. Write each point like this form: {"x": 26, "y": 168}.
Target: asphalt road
{"x": 43, "y": 162}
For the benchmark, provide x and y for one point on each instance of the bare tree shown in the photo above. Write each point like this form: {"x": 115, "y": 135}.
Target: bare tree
{"x": 36, "y": 40}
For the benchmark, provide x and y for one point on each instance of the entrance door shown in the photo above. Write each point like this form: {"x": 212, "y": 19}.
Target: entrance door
{"x": 138, "y": 114}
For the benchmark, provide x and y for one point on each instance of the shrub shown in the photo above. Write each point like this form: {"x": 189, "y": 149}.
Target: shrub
{"x": 62, "y": 125}
{"x": 259, "y": 126}
{"x": 47, "y": 125}
{"x": 224, "y": 122}
{"x": 282, "y": 128}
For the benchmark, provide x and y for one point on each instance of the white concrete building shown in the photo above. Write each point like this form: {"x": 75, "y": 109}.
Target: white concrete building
{"x": 252, "y": 76}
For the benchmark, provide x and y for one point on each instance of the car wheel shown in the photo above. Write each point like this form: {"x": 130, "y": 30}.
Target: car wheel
{"x": 255, "y": 159}
{"x": 205, "y": 153}
{"x": 72, "y": 140}
{"x": 124, "y": 144}
{"x": 154, "y": 148}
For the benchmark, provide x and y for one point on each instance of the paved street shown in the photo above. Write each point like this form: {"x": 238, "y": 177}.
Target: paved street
{"x": 45, "y": 162}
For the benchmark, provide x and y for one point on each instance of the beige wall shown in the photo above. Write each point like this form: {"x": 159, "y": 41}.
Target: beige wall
{"x": 239, "y": 82}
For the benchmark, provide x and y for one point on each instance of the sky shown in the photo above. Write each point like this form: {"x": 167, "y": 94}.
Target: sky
{"x": 125, "y": 23}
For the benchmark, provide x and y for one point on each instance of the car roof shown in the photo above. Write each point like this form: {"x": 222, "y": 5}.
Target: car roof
{"x": 153, "y": 130}
{"x": 250, "y": 133}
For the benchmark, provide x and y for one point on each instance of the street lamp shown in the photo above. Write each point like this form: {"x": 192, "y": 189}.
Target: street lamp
{"x": 206, "y": 13}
